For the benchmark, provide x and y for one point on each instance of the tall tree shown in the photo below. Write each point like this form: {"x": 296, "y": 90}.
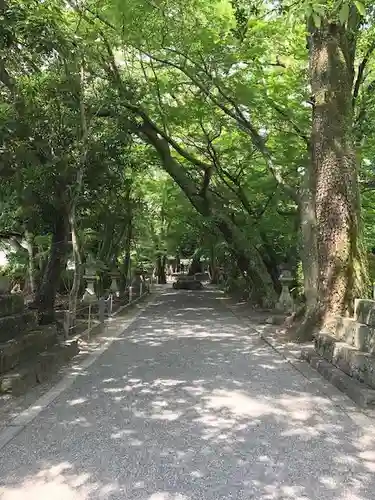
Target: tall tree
{"x": 333, "y": 37}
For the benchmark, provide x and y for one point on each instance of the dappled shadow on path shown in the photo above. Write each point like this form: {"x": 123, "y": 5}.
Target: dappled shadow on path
{"x": 189, "y": 405}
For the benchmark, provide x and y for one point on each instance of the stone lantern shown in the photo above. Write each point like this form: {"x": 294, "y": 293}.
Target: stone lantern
{"x": 90, "y": 276}
{"x": 115, "y": 277}
{"x": 285, "y": 302}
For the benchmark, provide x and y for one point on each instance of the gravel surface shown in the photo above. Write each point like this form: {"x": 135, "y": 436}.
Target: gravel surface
{"x": 190, "y": 404}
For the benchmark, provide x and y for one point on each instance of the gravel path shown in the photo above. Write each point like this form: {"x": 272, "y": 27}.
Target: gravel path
{"x": 190, "y": 405}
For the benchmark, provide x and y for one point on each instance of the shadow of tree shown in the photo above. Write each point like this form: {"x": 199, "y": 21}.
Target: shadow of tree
{"x": 189, "y": 405}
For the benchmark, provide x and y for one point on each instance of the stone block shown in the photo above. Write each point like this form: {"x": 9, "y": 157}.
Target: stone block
{"x": 24, "y": 347}
{"x": 18, "y": 381}
{"x": 49, "y": 361}
{"x": 352, "y": 332}
{"x": 18, "y": 324}
{"x": 356, "y": 363}
{"x": 364, "y": 311}
{"x": 11, "y": 304}
{"x": 38, "y": 369}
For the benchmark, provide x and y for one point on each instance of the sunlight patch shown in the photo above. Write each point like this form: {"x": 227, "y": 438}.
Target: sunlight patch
{"x": 163, "y": 495}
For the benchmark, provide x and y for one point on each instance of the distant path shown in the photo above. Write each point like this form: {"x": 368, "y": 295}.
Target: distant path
{"x": 190, "y": 405}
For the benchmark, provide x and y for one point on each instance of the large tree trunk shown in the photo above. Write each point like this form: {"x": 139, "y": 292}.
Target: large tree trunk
{"x": 195, "y": 266}
{"x": 271, "y": 261}
{"x": 342, "y": 267}
{"x": 160, "y": 269}
{"x": 249, "y": 262}
{"x": 46, "y": 294}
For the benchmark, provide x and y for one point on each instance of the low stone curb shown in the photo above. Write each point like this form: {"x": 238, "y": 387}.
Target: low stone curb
{"x": 357, "y": 391}
{"x": 341, "y": 383}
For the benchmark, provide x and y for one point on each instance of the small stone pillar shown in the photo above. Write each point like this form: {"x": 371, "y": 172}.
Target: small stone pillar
{"x": 285, "y": 302}
{"x": 102, "y": 306}
{"x": 130, "y": 294}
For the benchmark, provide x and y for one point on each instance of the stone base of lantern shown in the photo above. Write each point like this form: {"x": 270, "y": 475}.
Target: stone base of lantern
{"x": 285, "y": 302}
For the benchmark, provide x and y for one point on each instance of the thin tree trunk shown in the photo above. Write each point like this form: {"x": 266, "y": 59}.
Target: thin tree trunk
{"x": 77, "y": 276}
{"x": 32, "y": 267}
{"x": 214, "y": 275}
{"x": 342, "y": 266}
{"x": 309, "y": 247}
{"x": 126, "y": 267}
{"x": 77, "y": 254}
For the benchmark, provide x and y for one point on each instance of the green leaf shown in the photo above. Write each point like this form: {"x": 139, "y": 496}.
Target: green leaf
{"x": 317, "y": 20}
{"x": 344, "y": 13}
{"x": 360, "y": 7}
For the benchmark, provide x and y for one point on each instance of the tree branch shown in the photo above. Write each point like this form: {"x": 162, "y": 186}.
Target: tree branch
{"x": 237, "y": 115}
{"x": 282, "y": 112}
{"x": 361, "y": 71}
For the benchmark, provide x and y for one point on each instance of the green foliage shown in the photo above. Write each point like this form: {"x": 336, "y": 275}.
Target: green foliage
{"x": 225, "y": 84}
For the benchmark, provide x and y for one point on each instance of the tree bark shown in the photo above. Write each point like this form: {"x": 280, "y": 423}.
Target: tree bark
{"x": 195, "y": 266}
{"x": 46, "y": 294}
{"x": 250, "y": 263}
{"x": 342, "y": 265}
{"x": 160, "y": 269}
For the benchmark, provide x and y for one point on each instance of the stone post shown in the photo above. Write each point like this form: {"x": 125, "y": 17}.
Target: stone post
{"x": 66, "y": 324}
{"x": 102, "y": 306}
{"x": 130, "y": 294}
{"x": 285, "y": 302}
{"x": 140, "y": 289}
